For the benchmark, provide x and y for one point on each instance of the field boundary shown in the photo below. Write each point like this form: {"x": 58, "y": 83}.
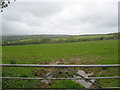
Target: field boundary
{"x": 63, "y": 67}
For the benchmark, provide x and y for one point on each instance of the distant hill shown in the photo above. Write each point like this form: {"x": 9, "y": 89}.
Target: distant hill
{"x": 41, "y": 39}
{"x": 19, "y": 37}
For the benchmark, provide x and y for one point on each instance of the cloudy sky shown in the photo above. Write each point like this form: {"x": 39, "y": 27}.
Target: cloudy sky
{"x": 60, "y": 17}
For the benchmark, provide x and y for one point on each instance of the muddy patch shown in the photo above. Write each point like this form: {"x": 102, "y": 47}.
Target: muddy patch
{"x": 78, "y": 60}
{"x": 85, "y": 72}
{"x": 82, "y": 73}
{"x": 84, "y": 83}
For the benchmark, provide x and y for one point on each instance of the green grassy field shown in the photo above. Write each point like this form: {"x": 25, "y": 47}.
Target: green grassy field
{"x": 89, "y": 52}
{"x": 106, "y": 51}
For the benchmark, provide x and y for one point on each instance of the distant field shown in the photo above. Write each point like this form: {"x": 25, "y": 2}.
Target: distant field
{"x": 106, "y": 51}
{"x": 89, "y": 52}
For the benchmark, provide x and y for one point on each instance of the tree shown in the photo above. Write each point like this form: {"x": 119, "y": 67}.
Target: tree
{"x": 4, "y": 4}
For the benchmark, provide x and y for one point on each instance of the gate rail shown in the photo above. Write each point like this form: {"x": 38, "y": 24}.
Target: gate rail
{"x": 64, "y": 67}
{"x": 37, "y": 65}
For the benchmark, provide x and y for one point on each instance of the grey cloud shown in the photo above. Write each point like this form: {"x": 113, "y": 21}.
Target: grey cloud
{"x": 56, "y": 18}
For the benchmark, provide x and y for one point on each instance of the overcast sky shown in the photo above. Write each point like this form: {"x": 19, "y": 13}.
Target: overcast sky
{"x": 61, "y": 17}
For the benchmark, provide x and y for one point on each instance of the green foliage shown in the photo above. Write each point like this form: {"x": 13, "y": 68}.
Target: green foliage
{"x": 45, "y": 40}
{"x": 67, "y": 84}
{"x": 39, "y": 39}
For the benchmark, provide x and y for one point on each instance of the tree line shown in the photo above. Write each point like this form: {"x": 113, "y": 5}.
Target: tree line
{"x": 60, "y": 39}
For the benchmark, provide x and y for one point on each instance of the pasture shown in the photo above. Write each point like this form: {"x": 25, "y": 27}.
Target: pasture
{"x": 89, "y": 52}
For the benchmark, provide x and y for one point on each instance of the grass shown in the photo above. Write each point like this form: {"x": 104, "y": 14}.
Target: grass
{"x": 66, "y": 84}
{"x": 108, "y": 50}
{"x": 89, "y": 52}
